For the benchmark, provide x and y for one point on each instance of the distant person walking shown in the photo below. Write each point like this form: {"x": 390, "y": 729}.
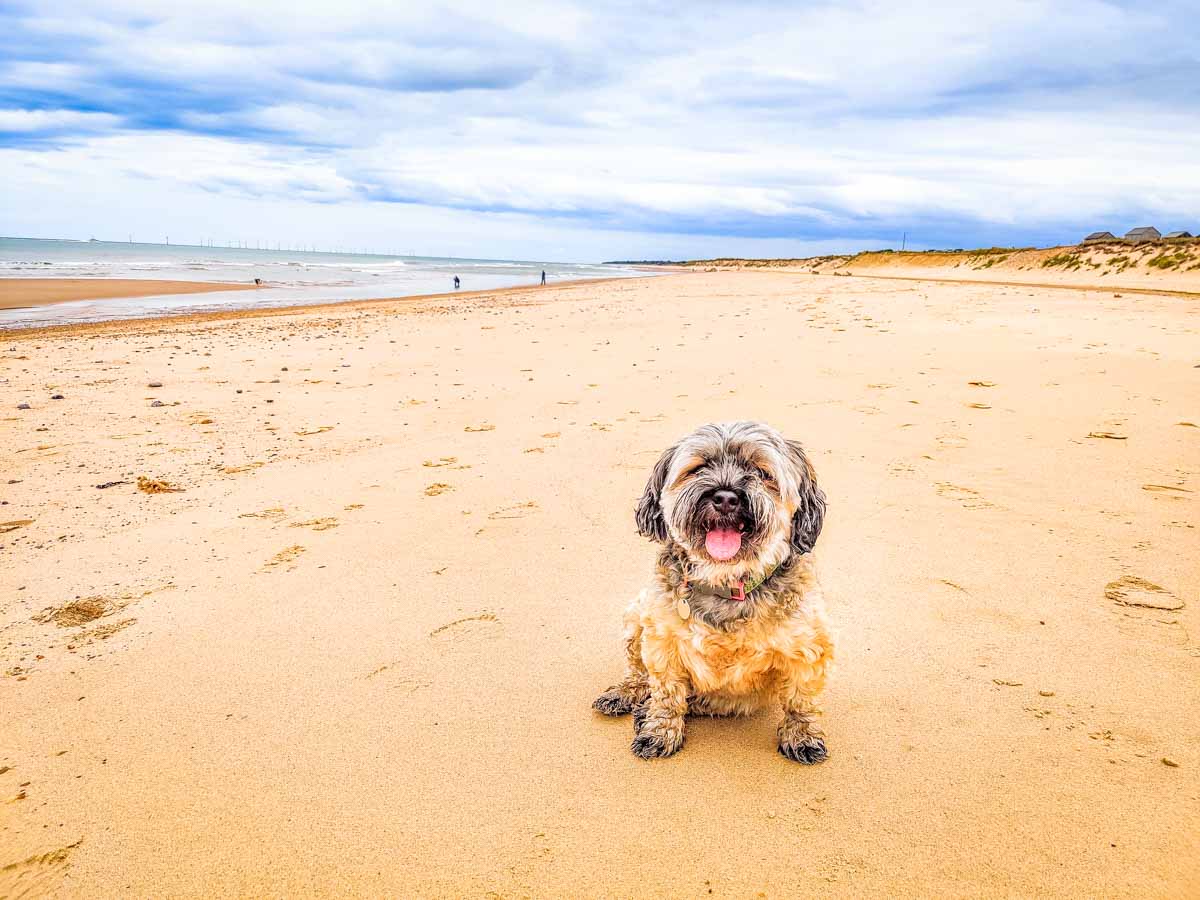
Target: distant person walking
{"x": 456, "y": 282}
{"x": 543, "y": 276}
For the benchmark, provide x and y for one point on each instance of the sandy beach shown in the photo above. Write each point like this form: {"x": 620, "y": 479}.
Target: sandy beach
{"x": 18, "y": 293}
{"x": 349, "y": 649}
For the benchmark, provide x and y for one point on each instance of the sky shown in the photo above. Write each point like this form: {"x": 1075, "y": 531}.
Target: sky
{"x": 588, "y": 131}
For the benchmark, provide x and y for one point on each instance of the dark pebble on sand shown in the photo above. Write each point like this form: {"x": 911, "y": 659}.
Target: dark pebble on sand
{"x": 57, "y": 397}
{"x": 154, "y": 384}
{"x": 23, "y": 406}
{"x": 158, "y": 403}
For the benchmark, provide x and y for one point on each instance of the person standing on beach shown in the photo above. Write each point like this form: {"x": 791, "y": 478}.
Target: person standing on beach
{"x": 543, "y": 276}
{"x": 456, "y": 282}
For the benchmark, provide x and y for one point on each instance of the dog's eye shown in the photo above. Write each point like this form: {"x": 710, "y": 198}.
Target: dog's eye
{"x": 765, "y": 475}
{"x": 692, "y": 470}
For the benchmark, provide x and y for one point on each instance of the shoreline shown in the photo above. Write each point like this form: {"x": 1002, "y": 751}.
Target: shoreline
{"x": 34, "y": 293}
{"x": 66, "y": 329}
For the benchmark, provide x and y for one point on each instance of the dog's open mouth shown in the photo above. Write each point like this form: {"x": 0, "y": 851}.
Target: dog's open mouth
{"x": 723, "y": 543}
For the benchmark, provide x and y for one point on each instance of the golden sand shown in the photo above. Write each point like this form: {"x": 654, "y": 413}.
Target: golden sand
{"x": 399, "y": 705}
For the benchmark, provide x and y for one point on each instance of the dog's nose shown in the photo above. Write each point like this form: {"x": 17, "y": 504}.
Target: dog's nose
{"x": 726, "y": 502}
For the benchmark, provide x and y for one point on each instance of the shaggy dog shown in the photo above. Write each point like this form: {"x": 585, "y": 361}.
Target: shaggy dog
{"x": 734, "y": 618}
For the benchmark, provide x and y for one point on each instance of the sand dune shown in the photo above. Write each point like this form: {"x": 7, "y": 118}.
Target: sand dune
{"x": 1149, "y": 267}
{"x": 352, "y": 652}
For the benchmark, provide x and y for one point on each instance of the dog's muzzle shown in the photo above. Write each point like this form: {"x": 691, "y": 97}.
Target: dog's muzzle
{"x": 725, "y": 522}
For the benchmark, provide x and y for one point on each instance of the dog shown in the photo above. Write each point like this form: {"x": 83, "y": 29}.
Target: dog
{"x": 734, "y": 618}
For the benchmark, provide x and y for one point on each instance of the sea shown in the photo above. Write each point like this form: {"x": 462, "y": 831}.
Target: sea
{"x": 290, "y": 277}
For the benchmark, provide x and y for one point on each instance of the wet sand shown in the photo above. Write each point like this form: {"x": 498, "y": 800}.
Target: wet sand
{"x": 20, "y": 293}
{"x": 353, "y": 654}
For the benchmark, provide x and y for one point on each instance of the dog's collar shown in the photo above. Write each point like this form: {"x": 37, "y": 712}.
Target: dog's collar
{"x": 738, "y": 592}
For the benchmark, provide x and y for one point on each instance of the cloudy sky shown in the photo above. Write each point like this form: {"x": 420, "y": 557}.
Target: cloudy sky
{"x": 593, "y": 130}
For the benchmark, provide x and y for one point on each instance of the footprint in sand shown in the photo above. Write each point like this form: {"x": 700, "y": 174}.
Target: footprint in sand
{"x": 36, "y": 876}
{"x": 99, "y": 633}
{"x": 552, "y": 434}
{"x": 236, "y": 470}
{"x": 518, "y": 511}
{"x": 396, "y": 678}
{"x": 439, "y": 462}
{"x": 969, "y": 498}
{"x": 484, "y": 624}
{"x": 87, "y": 609}
{"x": 6, "y": 527}
{"x": 274, "y": 514}
{"x": 955, "y": 441}
{"x": 978, "y": 406}
{"x": 284, "y": 557}
{"x": 1166, "y": 491}
{"x": 77, "y": 612}
{"x": 322, "y": 524}
{"x": 1132, "y": 591}
{"x": 1147, "y": 611}
{"x": 321, "y": 430}
{"x": 1108, "y": 435}
{"x": 982, "y": 383}
{"x": 437, "y": 488}
{"x": 478, "y": 428}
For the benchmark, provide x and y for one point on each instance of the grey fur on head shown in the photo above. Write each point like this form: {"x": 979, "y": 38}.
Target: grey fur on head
{"x": 649, "y": 514}
{"x": 810, "y": 515}
{"x": 780, "y": 508}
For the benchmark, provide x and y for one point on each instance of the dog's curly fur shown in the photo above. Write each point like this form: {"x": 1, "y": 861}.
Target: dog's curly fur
{"x": 690, "y": 651}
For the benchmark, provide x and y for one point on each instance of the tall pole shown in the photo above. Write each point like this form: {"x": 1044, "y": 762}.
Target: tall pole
{"x": 904, "y": 242}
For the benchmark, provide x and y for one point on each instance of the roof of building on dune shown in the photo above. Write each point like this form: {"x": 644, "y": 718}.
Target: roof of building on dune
{"x": 1146, "y": 231}
{"x": 1179, "y": 234}
{"x": 1101, "y": 236}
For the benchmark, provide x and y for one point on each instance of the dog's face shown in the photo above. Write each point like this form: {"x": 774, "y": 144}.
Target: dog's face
{"x": 737, "y": 497}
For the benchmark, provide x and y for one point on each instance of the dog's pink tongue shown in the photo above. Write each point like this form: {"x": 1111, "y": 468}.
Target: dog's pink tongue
{"x": 723, "y": 543}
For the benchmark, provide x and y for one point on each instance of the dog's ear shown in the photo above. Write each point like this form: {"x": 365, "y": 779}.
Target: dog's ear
{"x": 649, "y": 515}
{"x": 810, "y": 513}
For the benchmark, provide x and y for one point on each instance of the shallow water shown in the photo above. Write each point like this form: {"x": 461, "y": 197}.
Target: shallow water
{"x": 291, "y": 276}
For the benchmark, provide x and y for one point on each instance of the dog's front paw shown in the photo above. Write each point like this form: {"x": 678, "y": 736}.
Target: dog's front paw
{"x": 661, "y": 737}
{"x": 808, "y": 750}
{"x": 651, "y": 746}
{"x": 612, "y": 703}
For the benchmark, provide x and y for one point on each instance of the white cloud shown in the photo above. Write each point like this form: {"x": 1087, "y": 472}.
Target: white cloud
{"x": 701, "y": 122}
{"x": 18, "y": 121}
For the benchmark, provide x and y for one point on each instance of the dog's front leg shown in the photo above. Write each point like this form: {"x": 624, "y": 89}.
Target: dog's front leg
{"x": 630, "y": 693}
{"x": 800, "y": 736}
{"x": 659, "y": 723}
